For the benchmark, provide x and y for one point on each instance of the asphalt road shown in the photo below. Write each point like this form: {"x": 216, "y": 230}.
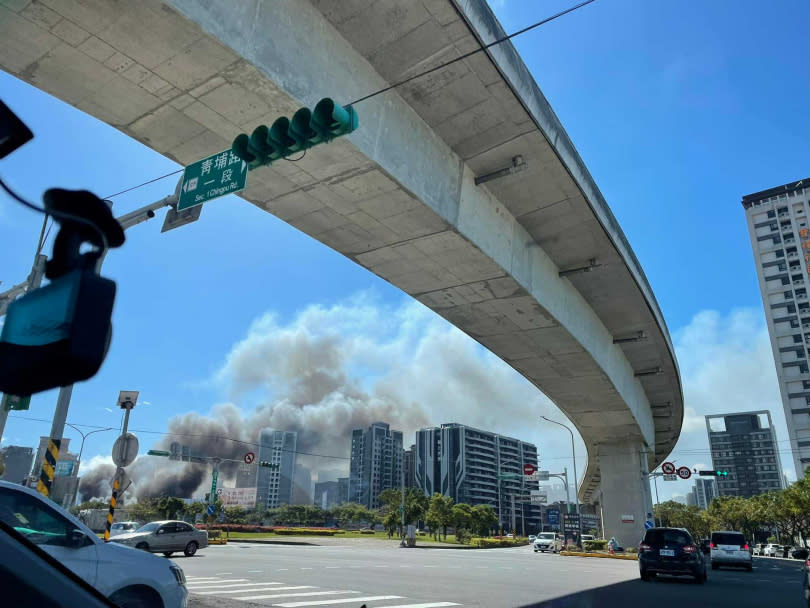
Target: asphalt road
{"x": 384, "y": 576}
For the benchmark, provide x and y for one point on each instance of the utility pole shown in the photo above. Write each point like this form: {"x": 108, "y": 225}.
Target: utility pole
{"x": 402, "y": 506}
{"x": 513, "y": 513}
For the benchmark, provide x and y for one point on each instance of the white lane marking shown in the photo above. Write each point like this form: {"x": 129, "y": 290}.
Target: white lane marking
{"x": 331, "y": 567}
{"x": 430, "y": 566}
{"x": 428, "y": 605}
{"x": 227, "y": 580}
{"x": 370, "y": 598}
{"x": 259, "y": 590}
{"x": 241, "y": 586}
{"x": 309, "y": 593}
{"x": 222, "y": 573}
{"x": 280, "y": 569}
{"x": 202, "y": 578}
{"x": 306, "y": 568}
{"x": 255, "y": 570}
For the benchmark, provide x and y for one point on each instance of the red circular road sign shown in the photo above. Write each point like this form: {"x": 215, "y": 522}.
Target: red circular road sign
{"x": 684, "y": 473}
{"x": 529, "y": 469}
{"x": 250, "y": 457}
{"x": 668, "y": 468}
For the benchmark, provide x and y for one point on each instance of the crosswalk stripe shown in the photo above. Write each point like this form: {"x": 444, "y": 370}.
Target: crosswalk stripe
{"x": 202, "y": 578}
{"x": 307, "y": 594}
{"x": 428, "y": 605}
{"x": 227, "y": 580}
{"x": 234, "y": 586}
{"x": 274, "y": 589}
{"x": 370, "y": 598}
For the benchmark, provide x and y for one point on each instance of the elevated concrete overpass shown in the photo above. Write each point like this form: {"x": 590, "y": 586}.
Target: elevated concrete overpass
{"x": 399, "y": 196}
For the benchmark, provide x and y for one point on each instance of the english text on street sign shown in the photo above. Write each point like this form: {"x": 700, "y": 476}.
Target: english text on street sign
{"x": 250, "y": 457}
{"x": 125, "y": 450}
{"x": 13, "y": 402}
{"x": 553, "y": 516}
{"x": 219, "y": 174}
{"x": 529, "y": 469}
{"x": 684, "y": 472}
{"x": 672, "y": 477}
{"x": 539, "y": 499}
{"x": 668, "y": 468}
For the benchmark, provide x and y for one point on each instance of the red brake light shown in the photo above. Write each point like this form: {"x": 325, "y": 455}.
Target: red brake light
{"x": 646, "y": 547}
{"x": 689, "y": 549}
{"x": 711, "y": 546}
{"x": 746, "y": 547}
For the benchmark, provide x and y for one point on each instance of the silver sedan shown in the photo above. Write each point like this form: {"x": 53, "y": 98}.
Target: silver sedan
{"x": 165, "y": 537}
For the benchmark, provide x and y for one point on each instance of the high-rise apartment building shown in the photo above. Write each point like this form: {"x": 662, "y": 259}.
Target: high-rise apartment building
{"x": 331, "y": 493}
{"x": 274, "y": 487}
{"x": 744, "y": 444}
{"x": 779, "y": 228}
{"x": 376, "y": 463}
{"x": 409, "y": 464}
{"x": 471, "y": 466}
{"x": 704, "y": 490}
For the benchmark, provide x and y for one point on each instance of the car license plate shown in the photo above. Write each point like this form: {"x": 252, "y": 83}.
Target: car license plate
{"x": 667, "y": 553}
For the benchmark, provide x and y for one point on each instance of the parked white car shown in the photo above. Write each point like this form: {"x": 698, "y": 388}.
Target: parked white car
{"x": 772, "y": 550}
{"x": 122, "y": 527}
{"x": 129, "y": 578}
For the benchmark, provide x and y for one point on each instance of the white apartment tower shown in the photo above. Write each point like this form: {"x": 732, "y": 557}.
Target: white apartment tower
{"x": 779, "y": 227}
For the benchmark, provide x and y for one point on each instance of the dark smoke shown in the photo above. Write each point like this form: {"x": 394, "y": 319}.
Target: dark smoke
{"x": 95, "y": 483}
{"x": 413, "y": 364}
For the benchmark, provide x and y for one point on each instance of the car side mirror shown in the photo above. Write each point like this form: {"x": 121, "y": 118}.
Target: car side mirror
{"x": 161, "y": 531}
{"x": 78, "y": 539}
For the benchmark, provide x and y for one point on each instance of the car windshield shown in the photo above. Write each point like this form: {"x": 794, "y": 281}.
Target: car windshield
{"x": 546, "y": 535}
{"x": 667, "y": 537}
{"x": 728, "y": 538}
{"x": 148, "y": 527}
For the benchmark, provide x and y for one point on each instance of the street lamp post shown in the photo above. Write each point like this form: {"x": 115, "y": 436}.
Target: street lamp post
{"x": 576, "y": 478}
{"x": 81, "y": 450}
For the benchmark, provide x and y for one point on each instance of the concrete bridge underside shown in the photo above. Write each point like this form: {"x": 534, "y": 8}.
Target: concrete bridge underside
{"x": 398, "y": 196}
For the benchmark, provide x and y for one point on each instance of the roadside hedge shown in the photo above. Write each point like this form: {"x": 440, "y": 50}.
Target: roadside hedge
{"x": 595, "y": 545}
{"x": 306, "y": 531}
{"x": 491, "y": 543}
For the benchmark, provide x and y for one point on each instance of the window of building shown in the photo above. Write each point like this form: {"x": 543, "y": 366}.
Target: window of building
{"x": 791, "y": 308}
{"x": 788, "y": 295}
{"x": 786, "y": 281}
{"x": 782, "y": 267}
{"x": 780, "y": 253}
{"x": 771, "y": 213}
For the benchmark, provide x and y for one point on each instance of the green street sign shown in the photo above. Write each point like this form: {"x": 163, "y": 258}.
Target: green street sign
{"x": 13, "y": 402}
{"x": 220, "y": 174}
{"x": 157, "y": 453}
{"x": 214, "y": 486}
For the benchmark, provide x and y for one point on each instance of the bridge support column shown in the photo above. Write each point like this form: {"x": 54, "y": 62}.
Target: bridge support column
{"x": 625, "y": 491}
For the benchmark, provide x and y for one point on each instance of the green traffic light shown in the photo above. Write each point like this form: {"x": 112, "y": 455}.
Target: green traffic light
{"x": 306, "y": 129}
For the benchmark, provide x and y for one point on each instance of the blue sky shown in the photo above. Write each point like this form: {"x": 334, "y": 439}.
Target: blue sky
{"x": 678, "y": 110}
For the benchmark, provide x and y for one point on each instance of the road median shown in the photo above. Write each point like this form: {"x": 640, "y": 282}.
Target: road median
{"x": 625, "y": 556}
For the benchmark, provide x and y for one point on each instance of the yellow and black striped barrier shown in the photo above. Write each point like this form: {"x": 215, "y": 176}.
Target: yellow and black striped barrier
{"x": 111, "y": 512}
{"x": 48, "y": 470}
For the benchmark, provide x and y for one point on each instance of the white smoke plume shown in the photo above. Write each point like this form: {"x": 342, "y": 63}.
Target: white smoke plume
{"x": 332, "y": 369}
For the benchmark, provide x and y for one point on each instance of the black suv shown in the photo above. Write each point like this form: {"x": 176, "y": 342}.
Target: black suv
{"x": 670, "y": 551}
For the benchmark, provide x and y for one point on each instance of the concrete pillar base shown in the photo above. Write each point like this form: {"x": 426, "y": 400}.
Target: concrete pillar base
{"x": 626, "y": 498}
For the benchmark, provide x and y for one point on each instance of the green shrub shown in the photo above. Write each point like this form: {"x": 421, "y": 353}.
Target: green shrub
{"x": 571, "y": 547}
{"x": 631, "y": 550}
{"x": 490, "y": 543}
{"x": 340, "y": 531}
{"x": 366, "y": 531}
{"x": 595, "y": 545}
{"x": 463, "y": 536}
{"x": 305, "y": 531}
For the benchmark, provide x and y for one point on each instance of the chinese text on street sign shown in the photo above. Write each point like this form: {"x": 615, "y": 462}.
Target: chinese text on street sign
{"x": 212, "y": 177}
